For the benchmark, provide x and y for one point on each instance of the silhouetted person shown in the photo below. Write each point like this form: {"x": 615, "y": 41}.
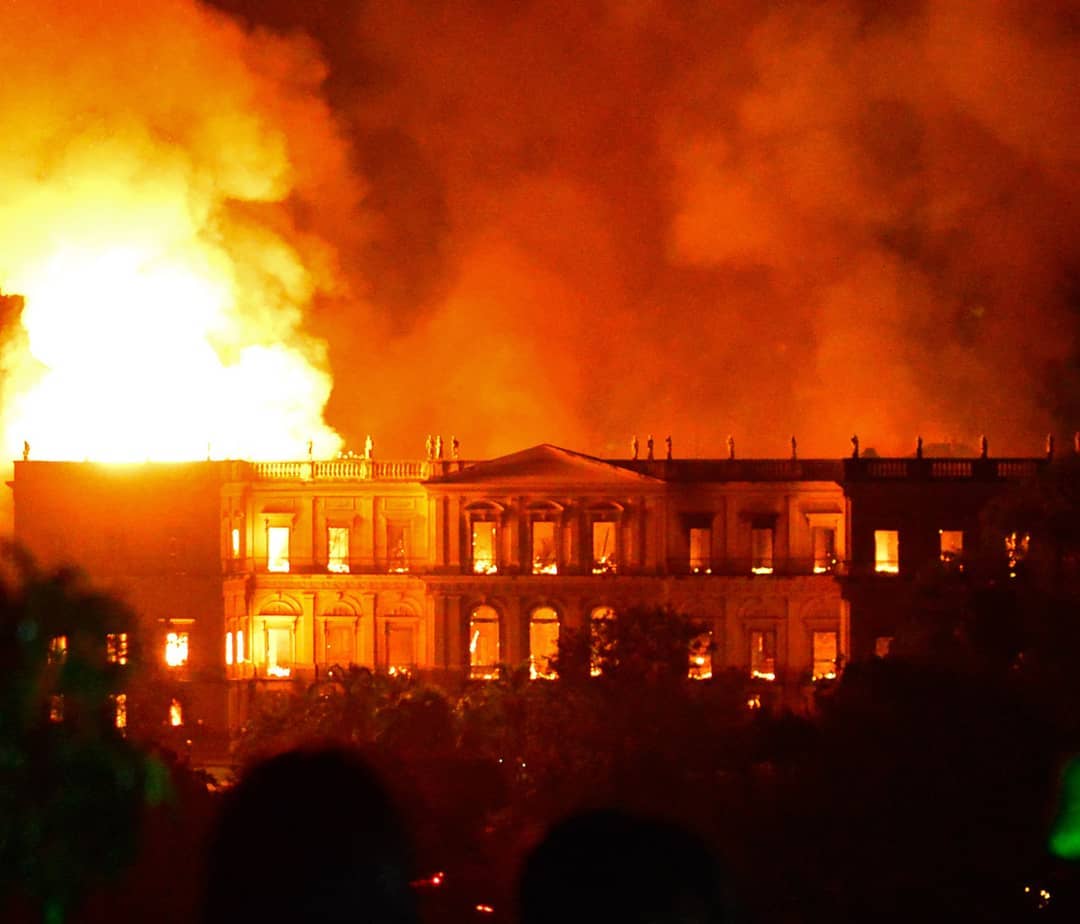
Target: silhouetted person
{"x": 309, "y": 836}
{"x": 611, "y": 866}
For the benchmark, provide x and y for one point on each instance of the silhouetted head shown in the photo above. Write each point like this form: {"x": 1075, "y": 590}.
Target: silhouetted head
{"x": 309, "y": 836}
{"x": 610, "y": 866}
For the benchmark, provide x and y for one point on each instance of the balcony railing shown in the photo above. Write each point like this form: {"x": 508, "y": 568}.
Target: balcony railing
{"x": 343, "y": 470}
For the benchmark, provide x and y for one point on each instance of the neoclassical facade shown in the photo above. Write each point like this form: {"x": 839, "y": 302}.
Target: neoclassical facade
{"x": 249, "y": 576}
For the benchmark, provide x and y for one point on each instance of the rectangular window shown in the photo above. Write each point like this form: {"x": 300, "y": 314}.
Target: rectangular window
{"x": 887, "y": 551}
{"x": 120, "y": 711}
{"x": 603, "y": 547}
{"x": 176, "y": 714}
{"x": 56, "y": 707}
{"x": 337, "y": 543}
{"x": 484, "y": 560}
{"x": 825, "y": 646}
{"x": 57, "y": 649}
{"x": 235, "y": 542}
{"x": 239, "y": 646}
{"x": 483, "y": 647}
{"x": 543, "y": 548}
{"x": 543, "y": 643}
{"x": 700, "y": 557}
{"x": 763, "y": 654}
{"x": 277, "y": 548}
{"x": 952, "y": 546}
{"x": 761, "y": 550}
{"x": 824, "y": 539}
{"x": 176, "y": 649}
{"x": 116, "y": 648}
{"x": 882, "y": 645}
{"x": 340, "y": 644}
{"x": 701, "y": 657}
{"x": 228, "y": 648}
{"x": 400, "y": 649}
{"x": 279, "y": 652}
{"x": 397, "y": 547}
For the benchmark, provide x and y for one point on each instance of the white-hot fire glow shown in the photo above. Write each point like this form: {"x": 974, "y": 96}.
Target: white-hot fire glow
{"x": 146, "y": 224}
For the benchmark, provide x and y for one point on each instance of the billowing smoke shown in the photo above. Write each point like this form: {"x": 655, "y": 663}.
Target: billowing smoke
{"x": 171, "y": 184}
{"x": 584, "y": 220}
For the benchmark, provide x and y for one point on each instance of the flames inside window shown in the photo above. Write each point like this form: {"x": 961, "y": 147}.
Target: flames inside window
{"x": 543, "y": 643}
{"x": 400, "y": 649}
{"x": 176, "y": 713}
{"x": 228, "y": 648}
{"x": 239, "y": 646}
{"x": 484, "y": 560}
{"x": 701, "y": 657}
{"x": 484, "y": 643}
{"x": 176, "y": 649}
{"x": 234, "y": 546}
{"x": 761, "y": 550}
{"x": 763, "y": 654}
{"x": 1016, "y": 549}
{"x": 544, "y": 560}
{"x": 397, "y": 547}
{"x": 120, "y": 711}
{"x": 601, "y": 632}
{"x": 116, "y": 648}
{"x": 58, "y": 647}
{"x": 700, "y": 559}
{"x": 279, "y": 652}
{"x": 824, "y": 540}
{"x": 825, "y": 652}
{"x": 603, "y": 547}
{"x": 887, "y": 551}
{"x": 337, "y": 542}
{"x": 951, "y": 543}
{"x": 882, "y": 646}
{"x": 277, "y": 549}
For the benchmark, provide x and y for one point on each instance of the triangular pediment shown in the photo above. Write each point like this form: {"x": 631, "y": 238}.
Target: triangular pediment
{"x": 546, "y": 465}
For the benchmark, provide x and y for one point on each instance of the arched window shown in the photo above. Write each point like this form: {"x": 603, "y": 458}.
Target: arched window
{"x": 543, "y": 642}
{"x": 278, "y": 622}
{"x": 484, "y": 643}
{"x": 601, "y": 626}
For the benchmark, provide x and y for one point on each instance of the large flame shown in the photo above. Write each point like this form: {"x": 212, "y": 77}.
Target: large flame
{"x": 146, "y": 224}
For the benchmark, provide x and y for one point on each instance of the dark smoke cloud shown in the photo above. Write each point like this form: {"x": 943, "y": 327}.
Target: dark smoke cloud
{"x": 586, "y": 220}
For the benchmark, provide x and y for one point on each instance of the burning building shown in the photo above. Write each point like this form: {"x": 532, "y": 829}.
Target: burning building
{"x": 249, "y": 576}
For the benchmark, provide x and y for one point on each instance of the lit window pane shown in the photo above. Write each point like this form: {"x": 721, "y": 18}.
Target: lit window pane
{"x": 763, "y": 654}
{"x": 337, "y": 540}
{"x": 701, "y": 657}
{"x": 700, "y": 540}
{"x": 228, "y": 648}
{"x": 887, "y": 551}
{"x": 56, "y": 707}
{"x": 952, "y": 546}
{"x": 120, "y": 711}
{"x": 825, "y": 653}
{"x": 824, "y": 549}
{"x": 601, "y": 638}
{"x": 603, "y": 543}
{"x": 882, "y": 646}
{"x": 483, "y": 548}
{"x": 543, "y": 548}
{"x": 239, "y": 646}
{"x": 116, "y": 647}
{"x": 397, "y": 547}
{"x": 277, "y": 548}
{"x": 235, "y": 540}
{"x": 761, "y": 551}
{"x": 176, "y": 714}
{"x": 176, "y": 649}
{"x": 279, "y": 653}
{"x": 1016, "y": 549}
{"x": 543, "y": 643}
{"x": 484, "y": 643}
{"x": 57, "y": 649}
